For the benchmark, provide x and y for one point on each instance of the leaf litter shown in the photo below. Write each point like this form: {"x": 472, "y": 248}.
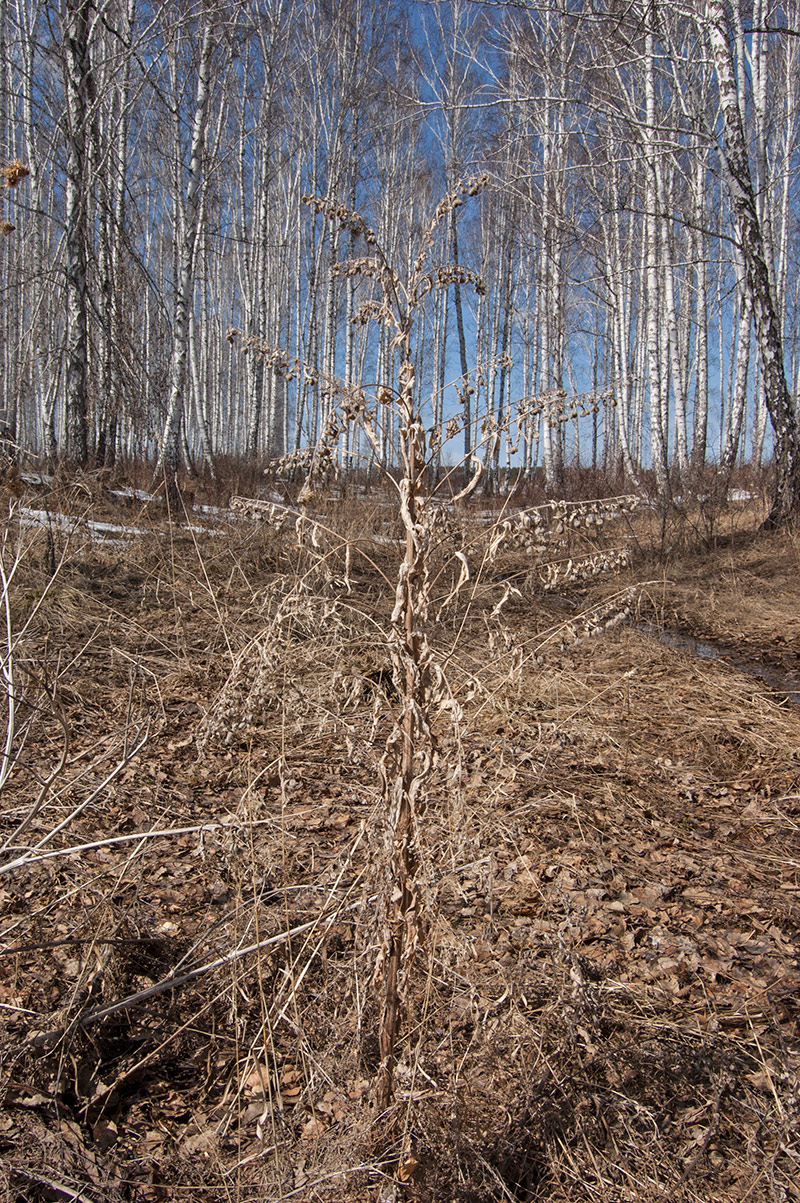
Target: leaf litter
{"x": 607, "y": 1002}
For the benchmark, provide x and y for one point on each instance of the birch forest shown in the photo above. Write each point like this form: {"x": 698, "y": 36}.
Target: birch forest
{"x": 637, "y": 243}
{"x": 399, "y": 601}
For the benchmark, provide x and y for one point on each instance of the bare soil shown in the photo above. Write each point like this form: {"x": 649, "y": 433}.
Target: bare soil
{"x": 605, "y": 1007}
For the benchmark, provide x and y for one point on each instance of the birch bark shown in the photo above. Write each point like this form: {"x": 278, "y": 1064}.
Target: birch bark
{"x": 169, "y": 459}
{"x": 656, "y": 378}
{"x": 734, "y": 153}
{"x": 78, "y": 87}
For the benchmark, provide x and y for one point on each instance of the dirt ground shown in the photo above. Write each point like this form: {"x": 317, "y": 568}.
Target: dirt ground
{"x": 605, "y": 1005}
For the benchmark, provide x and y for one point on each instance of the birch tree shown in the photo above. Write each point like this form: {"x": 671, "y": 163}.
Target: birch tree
{"x": 188, "y": 225}
{"x": 716, "y": 27}
{"x": 78, "y": 94}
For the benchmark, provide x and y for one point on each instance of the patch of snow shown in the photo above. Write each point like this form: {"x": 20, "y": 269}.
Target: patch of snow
{"x": 215, "y": 511}
{"x": 44, "y": 518}
{"x": 129, "y": 494}
{"x": 202, "y": 530}
{"x": 110, "y": 528}
{"x": 36, "y": 478}
{"x": 103, "y": 532}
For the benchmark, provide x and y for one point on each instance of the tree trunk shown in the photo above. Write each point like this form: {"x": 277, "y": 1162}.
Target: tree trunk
{"x": 78, "y": 87}
{"x": 655, "y": 367}
{"x": 786, "y": 502}
{"x": 169, "y": 459}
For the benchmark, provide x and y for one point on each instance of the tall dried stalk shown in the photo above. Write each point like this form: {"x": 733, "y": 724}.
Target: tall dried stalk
{"x": 408, "y": 756}
{"x": 407, "y": 760}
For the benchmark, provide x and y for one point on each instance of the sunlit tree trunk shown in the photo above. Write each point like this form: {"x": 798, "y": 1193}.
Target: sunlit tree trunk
{"x": 655, "y": 367}
{"x": 169, "y": 459}
{"x": 78, "y": 94}
{"x": 766, "y": 320}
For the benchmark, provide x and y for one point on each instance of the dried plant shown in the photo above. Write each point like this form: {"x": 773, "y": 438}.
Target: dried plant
{"x": 12, "y": 173}
{"x": 33, "y": 713}
{"x": 435, "y": 545}
{"x": 407, "y": 760}
{"x": 333, "y": 651}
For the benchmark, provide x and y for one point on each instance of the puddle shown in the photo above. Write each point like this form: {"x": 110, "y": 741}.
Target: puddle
{"x": 782, "y": 681}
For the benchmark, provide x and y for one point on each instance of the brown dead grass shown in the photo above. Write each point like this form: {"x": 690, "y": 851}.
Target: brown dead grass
{"x": 746, "y": 592}
{"x": 606, "y": 1006}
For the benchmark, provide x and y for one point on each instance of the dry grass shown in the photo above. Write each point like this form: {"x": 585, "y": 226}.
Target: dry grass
{"x": 606, "y": 1002}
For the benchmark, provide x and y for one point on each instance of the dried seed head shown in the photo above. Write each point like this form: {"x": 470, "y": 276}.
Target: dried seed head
{"x": 13, "y": 172}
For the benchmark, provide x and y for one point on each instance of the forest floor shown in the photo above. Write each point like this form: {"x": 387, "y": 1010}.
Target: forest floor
{"x": 605, "y": 1005}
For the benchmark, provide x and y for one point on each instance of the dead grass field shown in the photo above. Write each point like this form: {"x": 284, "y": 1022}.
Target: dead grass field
{"x": 606, "y": 1005}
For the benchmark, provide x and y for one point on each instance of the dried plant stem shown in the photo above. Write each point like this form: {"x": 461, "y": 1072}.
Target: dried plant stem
{"x": 411, "y": 657}
{"x": 407, "y": 760}
{"x": 44, "y": 1039}
{"x": 128, "y": 754}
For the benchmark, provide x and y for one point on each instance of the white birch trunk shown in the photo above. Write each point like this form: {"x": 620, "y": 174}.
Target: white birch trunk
{"x": 169, "y": 459}
{"x": 767, "y": 324}
{"x": 77, "y": 70}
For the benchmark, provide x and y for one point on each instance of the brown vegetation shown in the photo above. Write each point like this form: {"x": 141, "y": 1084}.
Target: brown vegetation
{"x": 605, "y": 1003}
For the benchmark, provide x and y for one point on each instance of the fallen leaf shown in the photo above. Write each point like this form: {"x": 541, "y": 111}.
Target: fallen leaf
{"x": 313, "y": 1128}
